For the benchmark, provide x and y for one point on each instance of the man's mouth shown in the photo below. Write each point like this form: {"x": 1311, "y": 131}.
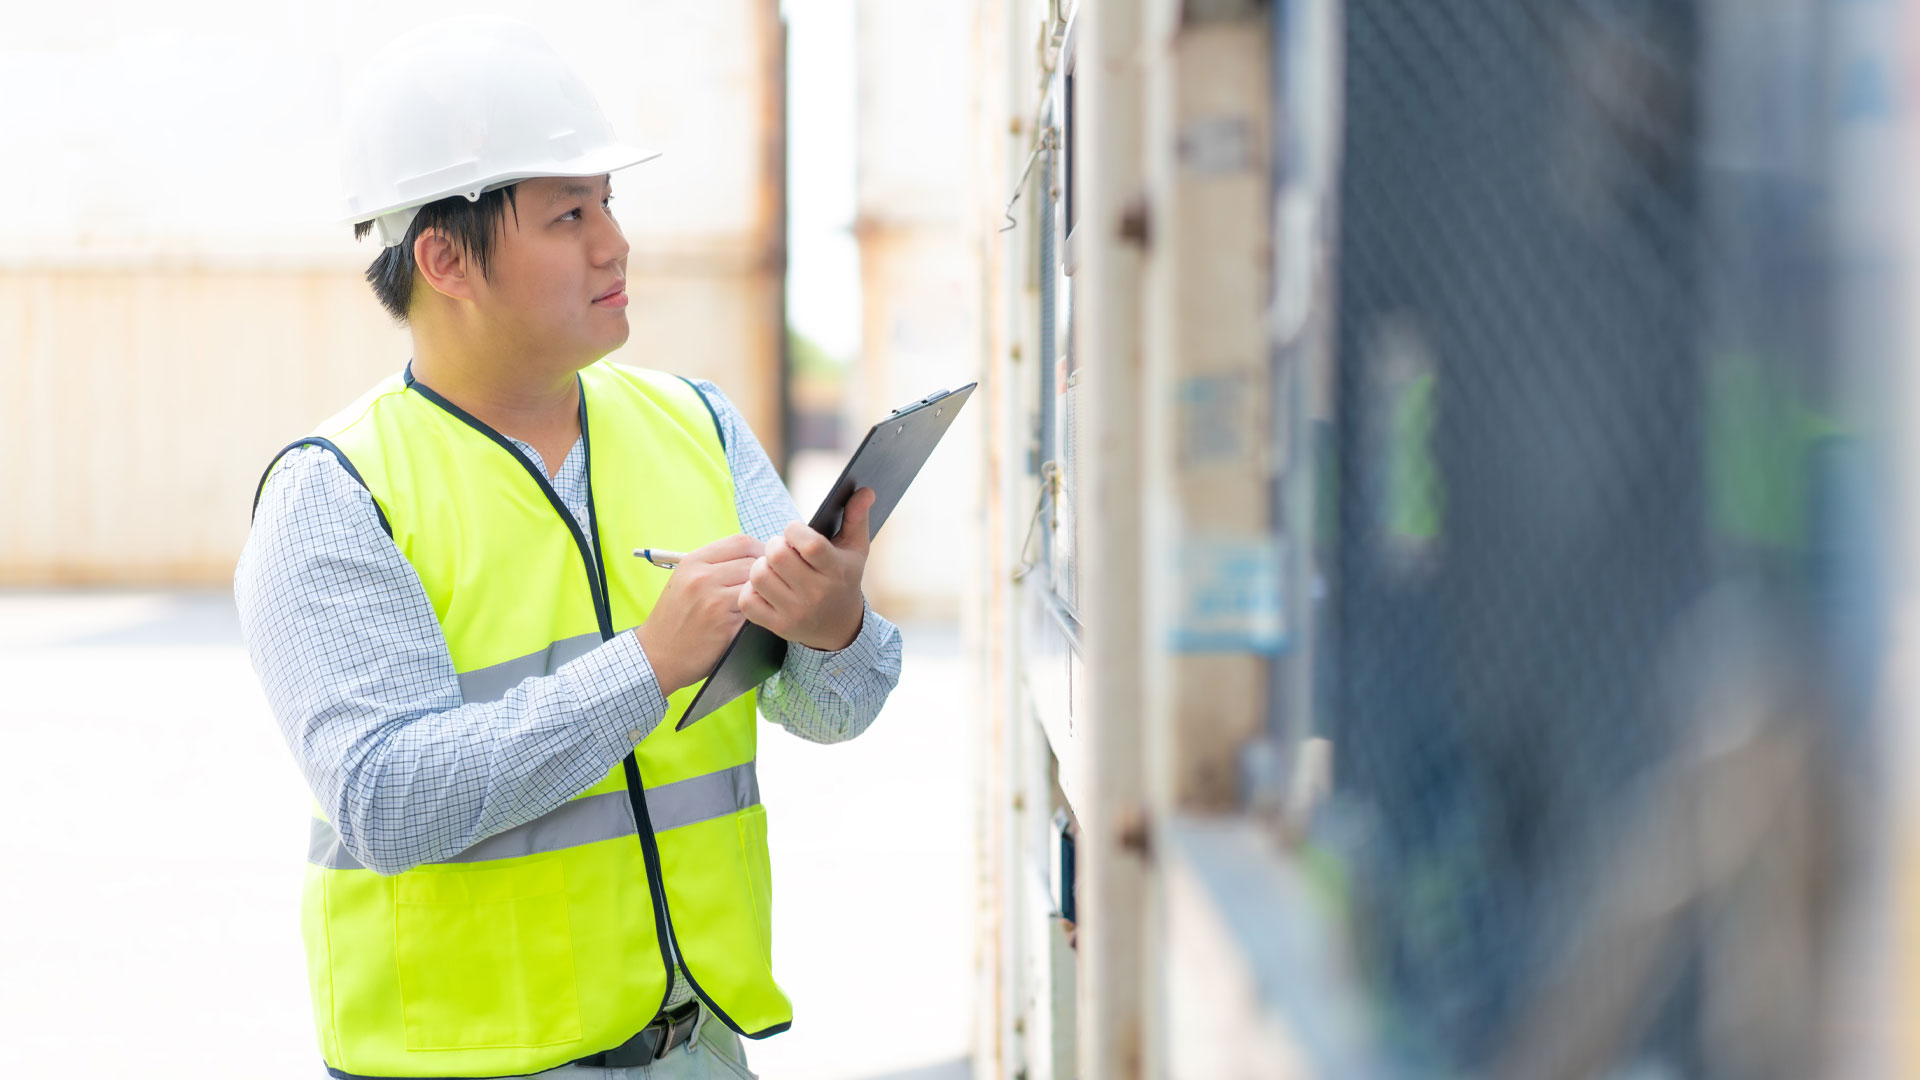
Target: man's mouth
{"x": 613, "y": 297}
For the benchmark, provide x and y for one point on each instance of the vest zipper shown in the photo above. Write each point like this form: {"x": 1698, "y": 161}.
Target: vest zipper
{"x": 636, "y": 789}
{"x": 636, "y": 792}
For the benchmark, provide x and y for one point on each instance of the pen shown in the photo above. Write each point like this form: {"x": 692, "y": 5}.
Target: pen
{"x": 660, "y": 557}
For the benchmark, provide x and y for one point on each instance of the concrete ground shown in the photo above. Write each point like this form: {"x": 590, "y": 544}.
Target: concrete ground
{"x": 156, "y": 826}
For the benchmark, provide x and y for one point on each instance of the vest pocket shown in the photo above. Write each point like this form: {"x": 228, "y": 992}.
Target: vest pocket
{"x": 753, "y": 847}
{"x": 486, "y": 957}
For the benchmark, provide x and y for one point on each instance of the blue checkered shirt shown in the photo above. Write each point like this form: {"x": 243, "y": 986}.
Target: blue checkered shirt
{"x": 355, "y": 669}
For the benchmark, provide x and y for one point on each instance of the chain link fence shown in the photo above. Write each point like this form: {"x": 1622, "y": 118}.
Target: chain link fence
{"x": 1597, "y": 582}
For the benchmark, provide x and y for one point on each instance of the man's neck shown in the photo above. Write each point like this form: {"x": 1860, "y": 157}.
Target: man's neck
{"x": 526, "y": 401}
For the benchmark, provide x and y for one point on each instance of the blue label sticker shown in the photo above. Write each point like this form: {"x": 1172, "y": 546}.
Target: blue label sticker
{"x": 1230, "y": 597}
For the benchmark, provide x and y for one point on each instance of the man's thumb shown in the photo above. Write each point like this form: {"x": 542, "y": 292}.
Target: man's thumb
{"x": 855, "y": 533}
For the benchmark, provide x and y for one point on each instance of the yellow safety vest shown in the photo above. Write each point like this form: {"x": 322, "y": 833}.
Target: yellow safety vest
{"x": 548, "y": 942}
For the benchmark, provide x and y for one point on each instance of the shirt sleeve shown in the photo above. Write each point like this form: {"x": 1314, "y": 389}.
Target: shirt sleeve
{"x": 358, "y": 676}
{"x": 823, "y": 697}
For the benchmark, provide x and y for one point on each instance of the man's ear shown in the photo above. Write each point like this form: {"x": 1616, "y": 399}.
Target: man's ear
{"x": 443, "y": 265}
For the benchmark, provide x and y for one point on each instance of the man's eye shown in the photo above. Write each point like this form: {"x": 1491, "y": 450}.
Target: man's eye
{"x": 576, "y": 210}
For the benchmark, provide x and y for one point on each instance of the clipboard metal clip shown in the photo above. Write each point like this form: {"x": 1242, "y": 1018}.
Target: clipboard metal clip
{"x": 928, "y": 400}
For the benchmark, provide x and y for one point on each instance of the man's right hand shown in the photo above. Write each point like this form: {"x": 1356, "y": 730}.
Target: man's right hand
{"x": 698, "y": 613}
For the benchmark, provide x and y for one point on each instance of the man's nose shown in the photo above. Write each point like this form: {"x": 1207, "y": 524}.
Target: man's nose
{"x": 610, "y": 245}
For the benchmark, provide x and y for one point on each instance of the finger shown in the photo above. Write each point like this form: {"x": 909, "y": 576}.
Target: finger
{"x": 812, "y": 548}
{"x": 756, "y": 609}
{"x": 855, "y": 533}
{"x": 771, "y": 586}
{"x": 788, "y": 564}
{"x": 733, "y": 572}
{"x": 778, "y": 549}
{"x": 738, "y": 546}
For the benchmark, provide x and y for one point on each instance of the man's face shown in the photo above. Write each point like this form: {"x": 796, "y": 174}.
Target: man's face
{"x": 544, "y": 291}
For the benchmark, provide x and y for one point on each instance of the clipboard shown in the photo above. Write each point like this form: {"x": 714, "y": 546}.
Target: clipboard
{"x": 887, "y": 461}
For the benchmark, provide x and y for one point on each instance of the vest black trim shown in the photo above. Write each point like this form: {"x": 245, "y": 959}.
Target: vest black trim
{"x": 702, "y": 395}
{"x": 339, "y": 455}
{"x": 589, "y": 554}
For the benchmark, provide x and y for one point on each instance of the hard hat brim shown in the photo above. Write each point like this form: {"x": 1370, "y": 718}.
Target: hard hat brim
{"x": 605, "y": 159}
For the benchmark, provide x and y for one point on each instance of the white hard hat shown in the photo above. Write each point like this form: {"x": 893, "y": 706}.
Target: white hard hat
{"x": 465, "y": 105}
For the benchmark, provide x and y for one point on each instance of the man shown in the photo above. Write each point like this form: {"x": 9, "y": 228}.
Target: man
{"x": 517, "y": 865}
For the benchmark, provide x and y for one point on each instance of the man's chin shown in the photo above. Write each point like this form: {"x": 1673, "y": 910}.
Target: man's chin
{"x": 605, "y": 344}
{"x": 617, "y": 341}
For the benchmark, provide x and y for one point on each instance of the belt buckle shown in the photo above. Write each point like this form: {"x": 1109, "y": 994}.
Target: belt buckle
{"x": 670, "y": 1034}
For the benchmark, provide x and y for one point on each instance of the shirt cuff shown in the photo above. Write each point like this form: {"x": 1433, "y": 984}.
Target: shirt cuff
{"x": 617, "y": 690}
{"x": 839, "y": 669}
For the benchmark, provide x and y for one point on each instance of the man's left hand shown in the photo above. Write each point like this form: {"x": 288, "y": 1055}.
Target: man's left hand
{"x": 806, "y": 588}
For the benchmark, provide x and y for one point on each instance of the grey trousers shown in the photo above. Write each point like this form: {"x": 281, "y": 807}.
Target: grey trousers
{"x": 713, "y": 1053}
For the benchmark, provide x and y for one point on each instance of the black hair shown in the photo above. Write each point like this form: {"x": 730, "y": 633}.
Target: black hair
{"x": 471, "y": 226}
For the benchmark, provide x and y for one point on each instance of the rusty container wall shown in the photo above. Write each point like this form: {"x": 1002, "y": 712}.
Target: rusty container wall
{"x": 156, "y": 350}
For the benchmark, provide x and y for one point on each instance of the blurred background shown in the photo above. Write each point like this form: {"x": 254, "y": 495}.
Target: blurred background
{"x": 1425, "y": 587}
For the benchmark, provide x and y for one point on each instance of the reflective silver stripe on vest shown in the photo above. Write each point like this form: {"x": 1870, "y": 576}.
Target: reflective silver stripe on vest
{"x": 491, "y": 683}
{"x": 584, "y": 821}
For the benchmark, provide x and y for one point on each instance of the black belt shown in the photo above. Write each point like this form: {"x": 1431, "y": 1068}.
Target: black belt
{"x": 667, "y": 1031}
